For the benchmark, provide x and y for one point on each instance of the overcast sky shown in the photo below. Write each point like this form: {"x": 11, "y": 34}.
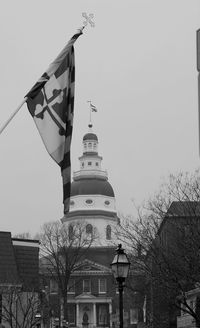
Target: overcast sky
{"x": 138, "y": 66}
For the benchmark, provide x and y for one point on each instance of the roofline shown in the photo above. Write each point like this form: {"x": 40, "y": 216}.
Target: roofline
{"x": 25, "y": 242}
{"x": 26, "y": 239}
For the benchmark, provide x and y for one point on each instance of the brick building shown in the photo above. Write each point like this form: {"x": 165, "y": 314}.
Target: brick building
{"x": 19, "y": 277}
{"x": 175, "y": 264}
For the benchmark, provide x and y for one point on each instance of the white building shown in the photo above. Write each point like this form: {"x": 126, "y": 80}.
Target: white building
{"x": 185, "y": 320}
{"x": 92, "y": 196}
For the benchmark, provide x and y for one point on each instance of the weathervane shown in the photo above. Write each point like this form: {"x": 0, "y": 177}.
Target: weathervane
{"x": 88, "y": 19}
{"x": 92, "y": 109}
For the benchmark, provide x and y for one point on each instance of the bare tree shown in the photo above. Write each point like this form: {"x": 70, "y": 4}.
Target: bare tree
{"x": 19, "y": 308}
{"x": 62, "y": 248}
{"x": 167, "y": 232}
{"x": 23, "y": 235}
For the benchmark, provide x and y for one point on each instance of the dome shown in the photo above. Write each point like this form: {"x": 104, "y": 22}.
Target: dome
{"x": 90, "y": 136}
{"x": 91, "y": 187}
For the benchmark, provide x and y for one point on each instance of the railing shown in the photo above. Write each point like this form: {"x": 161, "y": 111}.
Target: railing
{"x": 90, "y": 172}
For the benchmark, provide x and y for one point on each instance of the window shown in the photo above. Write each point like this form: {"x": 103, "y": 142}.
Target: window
{"x": 53, "y": 286}
{"x": 97, "y": 164}
{"x": 70, "y": 231}
{"x": 89, "y": 163}
{"x": 89, "y": 201}
{"x": 108, "y": 232}
{"x": 102, "y": 314}
{"x": 71, "y": 286}
{"x": 82, "y": 164}
{"x": 86, "y": 286}
{"x": 90, "y": 145}
{"x": 89, "y": 228}
{"x": 134, "y": 316}
{"x": 102, "y": 286}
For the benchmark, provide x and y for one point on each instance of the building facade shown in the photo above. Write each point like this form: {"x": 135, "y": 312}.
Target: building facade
{"x": 19, "y": 281}
{"x": 174, "y": 263}
{"x": 93, "y": 202}
{"x": 93, "y": 299}
{"x": 185, "y": 320}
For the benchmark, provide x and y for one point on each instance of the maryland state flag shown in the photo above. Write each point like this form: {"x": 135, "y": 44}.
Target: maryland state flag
{"x": 51, "y": 104}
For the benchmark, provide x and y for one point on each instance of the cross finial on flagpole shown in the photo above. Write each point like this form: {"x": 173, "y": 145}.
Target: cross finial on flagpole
{"x": 88, "y": 19}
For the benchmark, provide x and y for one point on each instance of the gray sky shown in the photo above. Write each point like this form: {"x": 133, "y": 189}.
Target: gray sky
{"x": 138, "y": 66}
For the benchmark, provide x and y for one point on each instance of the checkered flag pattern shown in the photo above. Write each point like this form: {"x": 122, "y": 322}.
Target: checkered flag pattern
{"x": 51, "y": 104}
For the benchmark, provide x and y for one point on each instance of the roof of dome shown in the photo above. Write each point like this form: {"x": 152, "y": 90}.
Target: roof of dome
{"x": 91, "y": 187}
{"x": 90, "y": 136}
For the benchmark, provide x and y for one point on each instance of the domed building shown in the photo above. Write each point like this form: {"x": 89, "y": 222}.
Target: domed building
{"x": 92, "y": 298}
{"x": 92, "y": 202}
{"x": 92, "y": 196}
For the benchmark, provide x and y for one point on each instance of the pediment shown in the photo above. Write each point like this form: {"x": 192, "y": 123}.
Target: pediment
{"x": 85, "y": 296}
{"x": 87, "y": 265}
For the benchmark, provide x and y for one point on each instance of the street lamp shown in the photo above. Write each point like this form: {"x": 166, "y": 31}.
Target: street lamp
{"x": 120, "y": 267}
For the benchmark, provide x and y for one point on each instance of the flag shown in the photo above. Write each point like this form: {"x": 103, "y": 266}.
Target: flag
{"x": 93, "y": 108}
{"x": 51, "y": 104}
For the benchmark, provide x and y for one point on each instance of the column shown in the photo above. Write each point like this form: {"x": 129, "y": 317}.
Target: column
{"x": 110, "y": 314}
{"x": 94, "y": 315}
{"x": 77, "y": 314}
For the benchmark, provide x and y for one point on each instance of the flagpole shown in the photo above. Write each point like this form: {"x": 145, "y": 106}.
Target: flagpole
{"x": 12, "y": 115}
{"x": 90, "y": 120}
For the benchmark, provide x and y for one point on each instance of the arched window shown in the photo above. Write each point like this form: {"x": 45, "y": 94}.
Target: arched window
{"x": 89, "y": 228}
{"x": 70, "y": 231}
{"x": 108, "y": 232}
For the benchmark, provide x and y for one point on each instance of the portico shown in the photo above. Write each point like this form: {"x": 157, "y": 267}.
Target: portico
{"x": 92, "y": 311}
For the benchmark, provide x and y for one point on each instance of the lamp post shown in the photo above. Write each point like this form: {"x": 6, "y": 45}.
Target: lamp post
{"x": 120, "y": 267}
